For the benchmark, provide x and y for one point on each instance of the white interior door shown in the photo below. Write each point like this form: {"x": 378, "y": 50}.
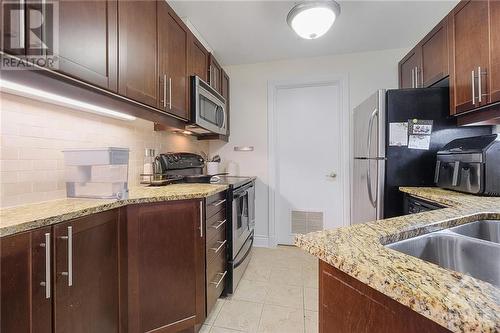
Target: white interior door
{"x": 308, "y": 194}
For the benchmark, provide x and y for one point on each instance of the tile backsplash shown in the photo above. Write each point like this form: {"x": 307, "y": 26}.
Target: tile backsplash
{"x": 33, "y": 135}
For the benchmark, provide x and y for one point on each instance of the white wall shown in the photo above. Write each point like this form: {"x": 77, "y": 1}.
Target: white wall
{"x": 33, "y": 135}
{"x": 248, "y": 95}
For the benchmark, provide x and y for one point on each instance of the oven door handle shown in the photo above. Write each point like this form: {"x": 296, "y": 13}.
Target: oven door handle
{"x": 235, "y": 265}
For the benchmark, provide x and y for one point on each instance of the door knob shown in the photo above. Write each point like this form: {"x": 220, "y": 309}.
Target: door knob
{"x": 332, "y": 175}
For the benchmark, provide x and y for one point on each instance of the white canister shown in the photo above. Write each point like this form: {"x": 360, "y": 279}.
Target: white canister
{"x": 212, "y": 168}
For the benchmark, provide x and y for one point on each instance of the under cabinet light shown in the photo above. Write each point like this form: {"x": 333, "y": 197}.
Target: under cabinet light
{"x": 45, "y": 96}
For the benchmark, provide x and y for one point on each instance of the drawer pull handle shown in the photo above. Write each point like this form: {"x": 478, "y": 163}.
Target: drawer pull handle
{"x": 218, "y": 203}
{"x": 221, "y": 223}
{"x": 217, "y": 249}
{"x": 220, "y": 280}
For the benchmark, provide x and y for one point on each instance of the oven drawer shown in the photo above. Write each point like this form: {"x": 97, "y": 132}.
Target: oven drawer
{"x": 216, "y": 245}
{"x": 216, "y": 203}
{"x": 216, "y": 279}
{"x": 215, "y": 224}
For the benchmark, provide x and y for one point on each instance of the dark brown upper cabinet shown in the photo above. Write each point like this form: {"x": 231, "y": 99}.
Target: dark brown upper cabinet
{"x": 214, "y": 73}
{"x": 88, "y": 41}
{"x": 166, "y": 268}
{"x": 25, "y": 295}
{"x": 427, "y": 63}
{"x": 172, "y": 61}
{"x": 434, "y": 53}
{"x": 86, "y": 274}
{"x": 198, "y": 59}
{"x": 470, "y": 57}
{"x": 137, "y": 52}
{"x": 409, "y": 68}
{"x": 494, "y": 51}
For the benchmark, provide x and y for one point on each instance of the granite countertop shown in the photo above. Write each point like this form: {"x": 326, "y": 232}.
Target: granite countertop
{"x": 454, "y": 300}
{"x": 27, "y": 217}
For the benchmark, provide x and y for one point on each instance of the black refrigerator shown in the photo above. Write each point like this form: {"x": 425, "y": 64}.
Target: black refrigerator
{"x": 383, "y": 161}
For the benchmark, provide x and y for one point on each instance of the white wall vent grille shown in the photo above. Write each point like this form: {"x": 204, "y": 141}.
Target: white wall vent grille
{"x": 304, "y": 222}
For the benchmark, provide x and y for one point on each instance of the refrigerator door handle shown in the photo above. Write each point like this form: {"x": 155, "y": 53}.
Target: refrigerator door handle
{"x": 368, "y": 171}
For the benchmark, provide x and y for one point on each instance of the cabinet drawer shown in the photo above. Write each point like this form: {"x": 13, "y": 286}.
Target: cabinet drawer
{"x": 215, "y": 204}
{"x": 217, "y": 245}
{"x": 216, "y": 279}
{"x": 215, "y": 224}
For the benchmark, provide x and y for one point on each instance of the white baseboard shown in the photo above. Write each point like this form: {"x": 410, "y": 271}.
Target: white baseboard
{"x": 260, "y": 241}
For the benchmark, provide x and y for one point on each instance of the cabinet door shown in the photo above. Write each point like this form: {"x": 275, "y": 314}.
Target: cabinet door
{"x": 137, "y": 51}
{"x": 172, "y": 58}
{"x": 163, "y": 266}
{"x": 435, "y": 59}
{"x": 408, "y": 69}
{"x": 198, "y": 59}
{"x": 470, "y": 52}
{"x": 86, "y": 274}
{"x": 495, "y": 51}
{"x": 88, "y": 41}
{"x": 215, "y": 74}
{"x": 25, "y": 297}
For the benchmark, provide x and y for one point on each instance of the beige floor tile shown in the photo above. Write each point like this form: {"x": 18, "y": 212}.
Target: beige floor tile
{"x": 252, "y": 291}
{"x": 239, "y": 315}
{"x": 283, "y": 295}
{"x": 278, "y": 319}
{"x": 286, "y": 276}
{"x": 257, "y": 272}
{"x": 311, "y": 322}
{"x": 311, "y": 299}
{"x": 215, "y": 311}
{"x": 216, "y": 329}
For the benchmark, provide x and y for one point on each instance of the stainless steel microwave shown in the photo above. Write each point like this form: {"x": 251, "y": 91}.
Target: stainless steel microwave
{"x": 208, "y": 109}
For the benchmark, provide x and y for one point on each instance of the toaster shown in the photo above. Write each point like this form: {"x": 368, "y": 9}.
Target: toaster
{"x": 470, "y": 165}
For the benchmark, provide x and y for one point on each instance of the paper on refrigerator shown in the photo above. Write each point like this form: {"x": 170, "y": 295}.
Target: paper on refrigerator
{"x": 398, "y": 134}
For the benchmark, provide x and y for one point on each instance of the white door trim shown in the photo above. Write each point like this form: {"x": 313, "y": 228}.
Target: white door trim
{"x": 341, "y": 80}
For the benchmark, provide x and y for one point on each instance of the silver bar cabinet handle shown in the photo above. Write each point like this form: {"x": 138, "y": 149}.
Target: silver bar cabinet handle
{"x": 201, "y": 219}
{"x": 221, "y": 223}
{"x": 210, "y": 75}
{"x": 70, "y": 256}
{"x": 416, "y": 77}
{"x": 69, "y": 273}
{"x": 47, "y": 282}
{"x": 413, "y": 77}
{"x": 164, "y": 91}
{"x": 221, "y": 244}
{"x": 220, "y": 280}
{"x": 218, "y": 203}
{"x": 473, "y": 88}
{"x": 479, "y": 88}
{"x": 170, "y": 93}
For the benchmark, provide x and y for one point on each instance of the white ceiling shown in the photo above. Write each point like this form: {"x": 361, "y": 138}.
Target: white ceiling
{"x": 243, "y": 32}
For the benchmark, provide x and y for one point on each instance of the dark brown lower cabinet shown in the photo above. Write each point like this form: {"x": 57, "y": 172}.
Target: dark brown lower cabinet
{"x": 349, "y": 306}
{"x": 25, "y": 305}
{"x": 166, "y": 271}
{"x": 86, "y": 274}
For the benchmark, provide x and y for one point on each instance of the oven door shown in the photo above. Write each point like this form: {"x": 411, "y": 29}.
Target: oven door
{"x": 241, "y": 220}
{"x": 209, "y": 107}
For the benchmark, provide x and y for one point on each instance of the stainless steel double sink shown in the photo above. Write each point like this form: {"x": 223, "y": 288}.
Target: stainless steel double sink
{"x": 472, "y": 249}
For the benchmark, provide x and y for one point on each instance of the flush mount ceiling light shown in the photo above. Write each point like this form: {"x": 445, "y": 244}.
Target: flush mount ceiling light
{"x": 312, "y": 19}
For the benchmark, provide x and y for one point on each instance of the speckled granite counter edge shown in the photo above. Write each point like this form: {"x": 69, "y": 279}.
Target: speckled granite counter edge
{"x": 454, "y": 300}
{"x": 72, "y": 208}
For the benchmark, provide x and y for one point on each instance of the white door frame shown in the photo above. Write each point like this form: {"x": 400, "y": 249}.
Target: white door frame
{"x": 341, "y": 80}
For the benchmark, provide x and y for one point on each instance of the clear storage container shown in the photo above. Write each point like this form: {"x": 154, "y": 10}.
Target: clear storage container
{"x": 97, "y": 173}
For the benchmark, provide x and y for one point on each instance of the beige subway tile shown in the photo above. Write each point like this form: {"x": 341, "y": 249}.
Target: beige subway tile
{"x": 15, "y": 165}
{"x": 10, "y": 189}
{"x": 8, "y": 177}
{"x": 9, "y": 153}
